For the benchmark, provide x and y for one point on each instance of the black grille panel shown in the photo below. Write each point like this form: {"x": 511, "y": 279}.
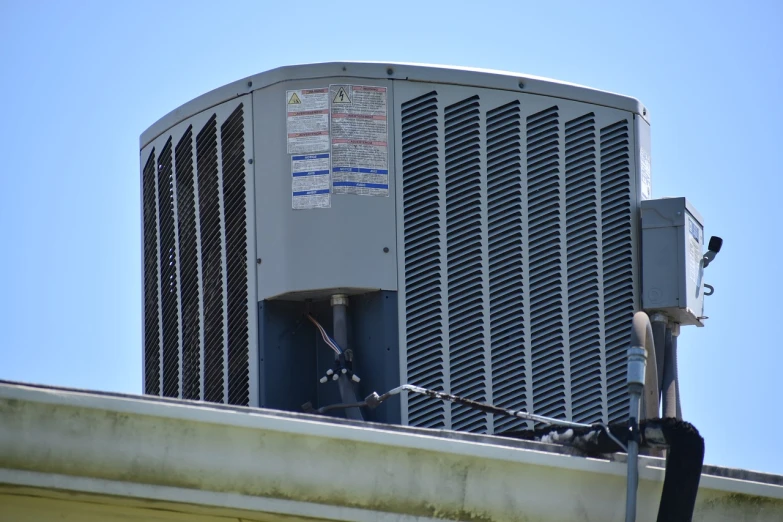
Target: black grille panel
{"x": 465, "y": 271}
{"x": 212, "y": 259}
{"x": 518, "y": 229}
{"x": 546, "y": 294}
{"x": 168, "y": 271}
{"x": 151, "y": 308}
{"x": 616, "y": 223}
{"x": 198, "y": 279}
{"x": 421, "y": 229}
{"x": 235, "y": 200}
{"x": 505, "y": 210}
{"x": 186, "y": 213}
{"x": 583, "y": 278}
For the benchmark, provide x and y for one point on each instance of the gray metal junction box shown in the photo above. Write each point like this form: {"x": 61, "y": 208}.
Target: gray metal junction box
{"x": 672, "y": 250}
{"x": 483, "y": 224}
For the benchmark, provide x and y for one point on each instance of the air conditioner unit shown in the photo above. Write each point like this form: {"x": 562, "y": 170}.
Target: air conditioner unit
{"x": 484, "y": 227}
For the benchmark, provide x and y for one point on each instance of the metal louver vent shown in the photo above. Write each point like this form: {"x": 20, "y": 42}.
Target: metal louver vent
{"x": 234, "y": 197}
{"x": 186, "y": 219}
{"x": 582, "y": 258}
{"x": 464, "y": 256}
{"x": 518, "y": 256}
{"x": 616, "y": 222}
{"x": 546, "y": 291}
{"x": 199, "y": 309}
{"x": 168, "y": 269}
{"x": 505, "y": 235}
{"x": 151, "y": 308}
{"x": 212, "y": 259}
{"x": 421, "y": 229}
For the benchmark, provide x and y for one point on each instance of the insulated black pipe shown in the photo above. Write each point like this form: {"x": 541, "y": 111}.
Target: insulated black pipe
{"x": 669, "y": 390}
{"x": 684, "y": 462}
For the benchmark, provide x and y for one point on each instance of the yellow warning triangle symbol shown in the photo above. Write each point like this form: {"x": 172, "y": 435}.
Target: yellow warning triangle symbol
{"x": 341, "y": 96}
{"x": 294, "y": 100}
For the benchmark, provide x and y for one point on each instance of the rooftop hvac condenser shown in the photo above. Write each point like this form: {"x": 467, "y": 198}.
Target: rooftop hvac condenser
{"x": 478, "y": 231}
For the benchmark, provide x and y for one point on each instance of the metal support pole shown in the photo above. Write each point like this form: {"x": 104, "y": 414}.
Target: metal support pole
{"x": 670, "y": 391}
{"x": 641, "y": 344}
{"x": 340, "y": 327}
{"x": 675, "y": 336}
{"x": 633, "y": 458}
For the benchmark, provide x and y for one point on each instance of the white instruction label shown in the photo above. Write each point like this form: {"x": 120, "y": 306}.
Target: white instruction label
{"x": 307, "y": 121}
{"x": 359, "y": 134}
{"x": 646, "y": 175}
{"x": 694, "y": 246}
{"x": 310, "y": 181}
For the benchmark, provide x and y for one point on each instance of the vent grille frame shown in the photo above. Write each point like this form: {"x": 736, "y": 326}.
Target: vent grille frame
{"x": 193, "y": 375}
{"x": 580, "y": 379}
{"x": 150, "y": 274}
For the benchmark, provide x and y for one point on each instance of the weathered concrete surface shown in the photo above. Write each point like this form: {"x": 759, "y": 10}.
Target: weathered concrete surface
{"x": 267, "y": 465}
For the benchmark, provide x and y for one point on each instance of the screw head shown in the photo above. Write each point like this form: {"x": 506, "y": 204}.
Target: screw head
{"x": 389, "y": 71}
{"x": 249, "y": 84}
{"x": 521, "y": 85}
{"x": 258, "y": 261}
{"x": 250, "y": 161}
{"x": 385, "y": 250}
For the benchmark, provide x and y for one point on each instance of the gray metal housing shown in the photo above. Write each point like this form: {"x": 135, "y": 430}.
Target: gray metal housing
{"x": 507, "y": 246}
{"x": 673, "y": 246}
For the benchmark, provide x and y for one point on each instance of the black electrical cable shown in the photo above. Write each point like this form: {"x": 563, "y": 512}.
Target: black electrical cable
{"x": 684, "y": 459}
{"x": 342, "y": 406}
{"x": 374, "y": 400}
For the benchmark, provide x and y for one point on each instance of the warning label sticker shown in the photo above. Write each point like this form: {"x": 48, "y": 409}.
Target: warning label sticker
{"x": 359, "y": 136}
{"x": 310, "y": 181}
{"x": 646, "y": 175}
{"x": 307, "y": 121}
{"x": 694, "y": 245}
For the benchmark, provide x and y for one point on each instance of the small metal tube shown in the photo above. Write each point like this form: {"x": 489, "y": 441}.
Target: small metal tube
{"x": 632, "y": 484}
{"x": 637, "y": 365}
{"x": 340, "y": 324}
{"x": 675, "y": 336}
{"x": 670, "y": 392}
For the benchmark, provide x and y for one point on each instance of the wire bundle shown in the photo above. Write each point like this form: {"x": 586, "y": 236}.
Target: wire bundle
{"x": 331, "y": 343}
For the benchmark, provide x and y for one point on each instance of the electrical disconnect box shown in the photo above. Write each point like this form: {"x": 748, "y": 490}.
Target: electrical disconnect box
{"x": 672, "y": 266}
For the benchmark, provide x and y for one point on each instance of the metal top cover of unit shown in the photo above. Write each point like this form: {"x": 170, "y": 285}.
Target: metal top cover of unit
{"x": 437, "y": 74}
{"x": 509, "y": 233}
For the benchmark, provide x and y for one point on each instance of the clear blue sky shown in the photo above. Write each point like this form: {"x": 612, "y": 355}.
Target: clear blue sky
{"x": 81, "y": 80}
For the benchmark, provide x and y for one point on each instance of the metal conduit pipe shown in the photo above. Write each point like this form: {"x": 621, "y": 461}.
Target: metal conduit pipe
{"x": 639, "y": 374}
{"x": 340, "y": 324}
{"x": 669, "y": 389}
{"x": 675, "y": 335}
